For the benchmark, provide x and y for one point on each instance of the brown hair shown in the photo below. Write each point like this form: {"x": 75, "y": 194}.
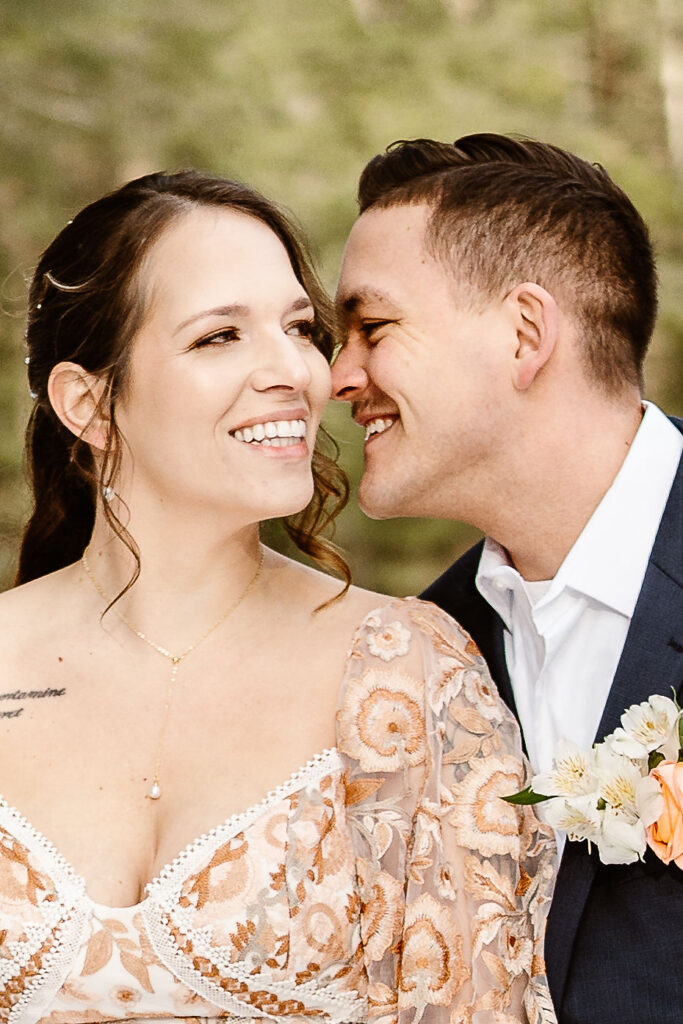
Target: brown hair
{"x": 508, "y": 210}
{"x": 85, "y": 305}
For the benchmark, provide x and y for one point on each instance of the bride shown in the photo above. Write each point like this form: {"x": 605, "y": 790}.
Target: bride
{"x": 162, "y": 671}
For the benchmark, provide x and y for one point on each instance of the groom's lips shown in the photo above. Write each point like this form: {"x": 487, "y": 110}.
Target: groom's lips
{"x": 375, "y": 422}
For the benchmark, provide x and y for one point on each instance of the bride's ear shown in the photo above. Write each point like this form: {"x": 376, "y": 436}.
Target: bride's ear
{"x": 76, "y": 397}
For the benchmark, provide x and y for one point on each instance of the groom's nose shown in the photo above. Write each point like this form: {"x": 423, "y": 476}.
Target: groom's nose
{"x": 349, "y": 375}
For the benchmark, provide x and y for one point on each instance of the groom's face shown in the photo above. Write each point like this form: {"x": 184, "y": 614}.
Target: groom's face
{"x": 422, "y": 367}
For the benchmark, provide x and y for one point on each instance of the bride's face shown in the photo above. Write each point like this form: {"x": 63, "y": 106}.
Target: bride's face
{"x": 225, "y": 388}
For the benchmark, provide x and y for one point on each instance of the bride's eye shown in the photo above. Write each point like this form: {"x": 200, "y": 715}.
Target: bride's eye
{"x": 224, "y": 336}
{"x": 302, "y": 329}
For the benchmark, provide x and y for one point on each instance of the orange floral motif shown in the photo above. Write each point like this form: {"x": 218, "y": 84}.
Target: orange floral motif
{"x": 432, "y": 966}
{"x": 481, "y": 694}
{"x": 382, "y": 909}
{"x": 20, "y": 881}
{"x": 381, "y": 721}
{"x": 226, "y": 876}
{"x": 389, "y": 641}
{"x": 481, "y": 819}
{"x": 125, "y": 996}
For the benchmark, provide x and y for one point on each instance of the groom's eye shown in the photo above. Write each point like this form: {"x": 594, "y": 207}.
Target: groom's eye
{"x": 370, "y": 328}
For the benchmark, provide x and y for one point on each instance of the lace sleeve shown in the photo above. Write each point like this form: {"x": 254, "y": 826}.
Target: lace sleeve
{"x": 455, "y": 884}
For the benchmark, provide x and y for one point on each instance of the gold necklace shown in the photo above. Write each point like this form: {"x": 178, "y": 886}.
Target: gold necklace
{"x": 175, "y": 659}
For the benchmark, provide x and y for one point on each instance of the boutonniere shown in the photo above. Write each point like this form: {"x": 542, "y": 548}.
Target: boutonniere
{"x": 624, "y": 794}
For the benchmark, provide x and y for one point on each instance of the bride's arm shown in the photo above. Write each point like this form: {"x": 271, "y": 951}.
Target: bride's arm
{"x": 455, "y": 883}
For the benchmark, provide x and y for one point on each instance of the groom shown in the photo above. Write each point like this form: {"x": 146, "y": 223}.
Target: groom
{"x": 497, "y": 299}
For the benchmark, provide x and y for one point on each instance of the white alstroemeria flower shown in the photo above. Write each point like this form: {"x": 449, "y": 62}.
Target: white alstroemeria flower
{"x": 570, "y": 775}
{"x": 579, "y": 816}
{"x": 619, "y": 781}
{"x": 649, "y": 800}
{"x": 644, "y": 727}
{"x": 621, "y": 841}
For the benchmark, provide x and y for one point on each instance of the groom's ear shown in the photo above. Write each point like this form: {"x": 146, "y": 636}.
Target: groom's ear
{"x": 535, "y": 321}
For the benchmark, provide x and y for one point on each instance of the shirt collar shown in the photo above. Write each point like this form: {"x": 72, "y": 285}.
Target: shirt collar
{"x": 609, "y": 558}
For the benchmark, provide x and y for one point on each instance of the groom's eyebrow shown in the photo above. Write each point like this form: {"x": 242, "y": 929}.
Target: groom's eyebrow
{"x": 349, "y": 303}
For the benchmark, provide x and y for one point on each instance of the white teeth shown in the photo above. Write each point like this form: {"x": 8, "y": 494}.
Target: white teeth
{"x": 377, "y": 426}
{"x": 274, "y": 432}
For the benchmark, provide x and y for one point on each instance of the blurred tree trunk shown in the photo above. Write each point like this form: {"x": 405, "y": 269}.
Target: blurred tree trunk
{"x": 469, "y": 10}
{"x": 623, "y": 50}
{"x": 671, "y": 76}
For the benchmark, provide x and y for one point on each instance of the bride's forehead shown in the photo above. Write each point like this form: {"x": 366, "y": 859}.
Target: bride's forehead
{"x": 210, "y": 252}
{"x": 211, "y": 231}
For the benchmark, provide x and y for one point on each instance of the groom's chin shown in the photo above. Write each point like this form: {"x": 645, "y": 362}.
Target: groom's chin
{"x": 375, "y": 500}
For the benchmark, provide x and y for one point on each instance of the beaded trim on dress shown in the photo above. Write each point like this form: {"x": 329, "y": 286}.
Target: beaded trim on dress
{"x": 322, "y": 764}
{"x": 165, "y": 917}
{"x": 39, "y": 961}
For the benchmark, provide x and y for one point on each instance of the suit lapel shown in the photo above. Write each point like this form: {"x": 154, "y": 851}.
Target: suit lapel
{"x": 650, "y": 663}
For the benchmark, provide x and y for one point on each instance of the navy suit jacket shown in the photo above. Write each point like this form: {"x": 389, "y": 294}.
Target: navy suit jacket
{"x": 614, "y": 945}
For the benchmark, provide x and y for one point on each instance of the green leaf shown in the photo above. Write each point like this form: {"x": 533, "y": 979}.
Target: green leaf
{"x": 526, "y": 796}
{"x": 654, "y": 759}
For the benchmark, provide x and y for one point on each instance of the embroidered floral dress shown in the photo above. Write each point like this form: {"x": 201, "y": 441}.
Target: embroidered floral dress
{"x": 384, "y": 881}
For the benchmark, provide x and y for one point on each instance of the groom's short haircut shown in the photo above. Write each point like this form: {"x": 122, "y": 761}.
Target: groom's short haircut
{"x": 508, "y": 210}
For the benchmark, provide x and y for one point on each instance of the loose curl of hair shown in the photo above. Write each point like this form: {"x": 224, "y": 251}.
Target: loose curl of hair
{"x": 85, "y": 306}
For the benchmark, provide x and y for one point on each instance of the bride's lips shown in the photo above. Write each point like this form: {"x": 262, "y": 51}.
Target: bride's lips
{"x": 281, "y": 433}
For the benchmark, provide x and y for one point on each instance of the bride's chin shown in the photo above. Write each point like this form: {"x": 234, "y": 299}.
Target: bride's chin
{"x": 287, "y": 504}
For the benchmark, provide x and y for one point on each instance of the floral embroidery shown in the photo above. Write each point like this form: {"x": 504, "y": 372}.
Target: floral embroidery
{"x": 432, "y": 968}
{"x": 382, "y": 721}
{"x": 384, "y": 877}
{"x": 430, "y": 749}
{"x": 481, "y": 819}
{"x": 392, "y": 641}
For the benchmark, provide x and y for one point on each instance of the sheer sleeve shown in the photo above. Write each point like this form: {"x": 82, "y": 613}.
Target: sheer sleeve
{"x": 454, "y": 883}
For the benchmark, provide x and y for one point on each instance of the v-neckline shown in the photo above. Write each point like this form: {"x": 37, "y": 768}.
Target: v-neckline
{"x": 36, "y": 842}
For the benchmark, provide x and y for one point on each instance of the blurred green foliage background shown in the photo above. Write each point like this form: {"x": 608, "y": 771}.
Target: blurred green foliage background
{"x": 294, "y": 96}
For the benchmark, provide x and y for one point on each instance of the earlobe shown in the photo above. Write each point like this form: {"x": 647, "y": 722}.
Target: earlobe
{"x": 76, "y": 396}
{"x": 536, "y": 322}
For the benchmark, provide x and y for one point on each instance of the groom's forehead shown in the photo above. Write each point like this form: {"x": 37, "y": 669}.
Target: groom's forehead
{"x": 384, "y": 252}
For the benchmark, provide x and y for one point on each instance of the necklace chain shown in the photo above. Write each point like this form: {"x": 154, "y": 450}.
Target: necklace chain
{"x": 175, "y": 659}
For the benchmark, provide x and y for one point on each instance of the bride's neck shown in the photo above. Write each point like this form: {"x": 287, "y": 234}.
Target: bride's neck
{"x": 183, "y": 582}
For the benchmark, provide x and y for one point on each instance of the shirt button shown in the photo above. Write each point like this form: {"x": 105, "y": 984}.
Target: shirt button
{"x": 500, "y": 584}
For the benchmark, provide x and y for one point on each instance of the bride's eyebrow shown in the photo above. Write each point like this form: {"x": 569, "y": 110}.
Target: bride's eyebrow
{"x": 299, "y": 304}
{"x": 239, "y": 310}
{"x": 233, "y": 310}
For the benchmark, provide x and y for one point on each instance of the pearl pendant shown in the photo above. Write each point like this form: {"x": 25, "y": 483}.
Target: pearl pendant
{"x": 155, "y": 791}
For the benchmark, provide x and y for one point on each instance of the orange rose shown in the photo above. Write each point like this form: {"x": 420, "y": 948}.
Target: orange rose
{"x": 665, "y": 836}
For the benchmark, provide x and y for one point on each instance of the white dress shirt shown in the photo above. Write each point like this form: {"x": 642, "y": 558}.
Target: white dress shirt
{"x": 564, "y": 637}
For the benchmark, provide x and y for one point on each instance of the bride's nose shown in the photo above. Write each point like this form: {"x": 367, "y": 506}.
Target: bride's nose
{"x": 283, "y": 364}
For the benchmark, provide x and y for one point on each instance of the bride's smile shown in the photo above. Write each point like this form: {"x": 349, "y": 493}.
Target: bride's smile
{"x": 225, "y": 387}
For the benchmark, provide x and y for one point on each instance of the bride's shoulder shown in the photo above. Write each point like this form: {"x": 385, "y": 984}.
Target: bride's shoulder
{"x": 35, "y": 608}
{"x": 423, "y": 620}
{"x": 360, "y": 620}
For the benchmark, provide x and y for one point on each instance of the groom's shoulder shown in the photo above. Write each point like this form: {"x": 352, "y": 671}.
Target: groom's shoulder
{"x": 456, "y": 584}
